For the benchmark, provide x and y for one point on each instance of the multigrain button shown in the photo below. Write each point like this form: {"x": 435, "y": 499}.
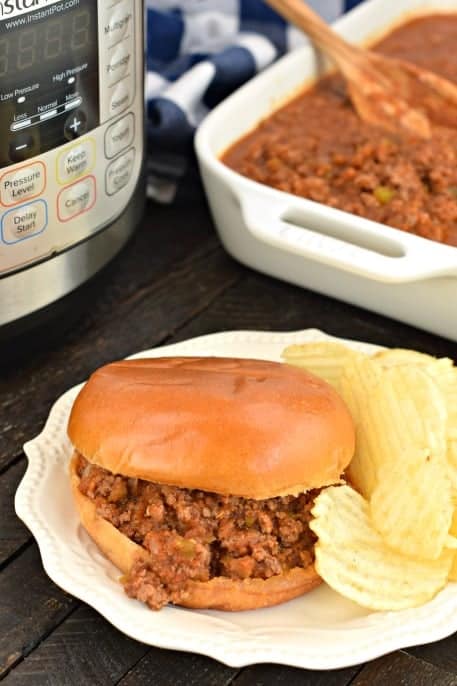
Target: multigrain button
{"x": 120, "y": 136}
{"x": 119, "y": 63}
{"x": 119, "y": 23}
{"x": 22, "y": 184}
{"x": 76, "y": 161}
{"x": 75, "y": 199}
{"x": 119, "y": 172}
{"x": 24, "y": 221}
{"x": 121, "y": 97}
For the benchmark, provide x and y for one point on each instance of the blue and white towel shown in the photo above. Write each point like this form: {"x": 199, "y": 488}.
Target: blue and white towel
{"x": 199, "y": 51}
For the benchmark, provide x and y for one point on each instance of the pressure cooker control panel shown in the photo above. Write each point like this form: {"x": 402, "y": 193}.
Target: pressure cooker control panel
{"x": 71, "y": 122}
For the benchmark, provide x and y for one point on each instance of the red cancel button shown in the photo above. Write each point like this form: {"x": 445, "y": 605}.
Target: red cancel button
{"x": 76, "y": 199}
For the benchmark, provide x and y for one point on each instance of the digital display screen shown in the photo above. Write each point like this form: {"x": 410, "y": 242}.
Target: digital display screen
{"x": 48, "y": 73}
{"x": 43, "y": 46}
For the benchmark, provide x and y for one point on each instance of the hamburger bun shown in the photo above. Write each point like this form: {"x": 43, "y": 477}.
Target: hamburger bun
{"x": 249, "y": 428}
{"x": 236, "y": 427}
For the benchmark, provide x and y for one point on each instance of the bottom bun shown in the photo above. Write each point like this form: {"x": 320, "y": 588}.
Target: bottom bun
{"x": 219, "y": 593}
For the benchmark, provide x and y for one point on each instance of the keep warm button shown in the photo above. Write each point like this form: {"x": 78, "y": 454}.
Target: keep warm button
{"x": 24, "y": 222}
{"x": 76, "y": 161}
{"x": 76, "y": 199}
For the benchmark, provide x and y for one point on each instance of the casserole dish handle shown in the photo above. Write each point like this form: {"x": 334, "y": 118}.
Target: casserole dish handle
{"x": 344, "y": 241}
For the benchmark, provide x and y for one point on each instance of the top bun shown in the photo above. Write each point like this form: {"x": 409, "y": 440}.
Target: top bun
{"x": 239, "y": 427}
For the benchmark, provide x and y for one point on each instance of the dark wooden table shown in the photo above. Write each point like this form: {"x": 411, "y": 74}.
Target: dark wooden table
{"x": 174, "y": 281}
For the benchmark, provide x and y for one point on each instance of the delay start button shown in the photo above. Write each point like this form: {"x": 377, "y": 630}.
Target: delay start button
{"x": 120, "y": 172}
{"x": 22, "y": 184}
{"x": 75, "y": 199}
{"x": 24, "y": 222}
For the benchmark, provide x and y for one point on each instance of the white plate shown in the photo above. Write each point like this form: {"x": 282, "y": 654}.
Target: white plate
{"x": 321, "y": 630}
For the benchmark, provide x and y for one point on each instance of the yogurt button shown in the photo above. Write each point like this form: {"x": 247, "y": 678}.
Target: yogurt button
{"x": 120, "y": 135}
{"x": 76, "y": 199}
{"x": 24, "y": 222}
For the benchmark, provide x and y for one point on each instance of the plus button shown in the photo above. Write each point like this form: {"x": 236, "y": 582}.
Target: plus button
{"x": 75, "y": 125}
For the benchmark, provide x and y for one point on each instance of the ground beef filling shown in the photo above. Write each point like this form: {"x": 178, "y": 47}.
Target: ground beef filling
{"x": 197, "y": 535}
{"x": 319, "y": 148}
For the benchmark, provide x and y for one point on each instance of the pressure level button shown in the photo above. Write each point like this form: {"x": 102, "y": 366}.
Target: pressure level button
{"x": 22, "y": 184}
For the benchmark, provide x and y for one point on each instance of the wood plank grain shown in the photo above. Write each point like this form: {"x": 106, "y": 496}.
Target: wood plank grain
{"x": 84, "y": 649}
{"x": 442, "y": 653}
{"x": 262, "y": 303}
{"x": 147, "y": 317}
{"x": 172, "y": 668}
{"x": 30, "y": 607}
{"x": 278, "y": 675}
{"x": 13, "y": 534}
{"x": 400, "y": 668}
{"x": 166, "y": 236}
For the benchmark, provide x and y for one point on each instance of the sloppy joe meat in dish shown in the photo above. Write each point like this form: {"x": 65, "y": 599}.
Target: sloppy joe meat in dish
{"x": 317, "y": 147}
{"x": 197, "y": 535}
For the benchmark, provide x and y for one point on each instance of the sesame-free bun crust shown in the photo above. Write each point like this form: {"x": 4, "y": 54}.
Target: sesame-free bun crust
{"x": 220, "y": 593}
{"x": 240, "y": 427}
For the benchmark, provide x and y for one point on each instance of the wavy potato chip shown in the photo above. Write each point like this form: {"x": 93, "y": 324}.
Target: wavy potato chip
{"x": 450, "y": 392}
{"x": 444, "y": 373}
{"x": 325, "y": 359}
{"x": 411, "y": 413}
{"x": 395, "y": 409}
{"x": 353, "y": 559}
{"x": 441, "y": 369}
{"x": 412, "y": 506}
{"x": 452, "y": 462}
{"x": 453, "y": 532}
{"x": 397, "y": 356}
{"x": 453, "y": 571}
{"x": 358, "y": 384}
{"x": 404, "y": 406}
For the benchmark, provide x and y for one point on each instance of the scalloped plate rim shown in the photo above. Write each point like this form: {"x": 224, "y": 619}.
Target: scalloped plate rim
{"x": 239, "y": 647}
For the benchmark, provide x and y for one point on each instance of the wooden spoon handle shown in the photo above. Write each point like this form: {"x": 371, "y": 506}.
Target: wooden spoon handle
{"x": 300, "y": 14}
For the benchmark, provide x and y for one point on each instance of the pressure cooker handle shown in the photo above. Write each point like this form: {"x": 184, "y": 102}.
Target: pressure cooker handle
{"x": 344, "y": 241}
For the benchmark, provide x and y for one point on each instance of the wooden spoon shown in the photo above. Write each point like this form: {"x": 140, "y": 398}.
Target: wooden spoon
{"x": 386, "y": 92}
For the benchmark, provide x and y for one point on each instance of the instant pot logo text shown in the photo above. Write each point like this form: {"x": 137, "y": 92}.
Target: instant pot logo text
{"x": 14, "y": 8}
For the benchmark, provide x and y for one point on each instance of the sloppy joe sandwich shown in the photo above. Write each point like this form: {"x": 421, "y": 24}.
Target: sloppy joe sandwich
{"x": 196, "y": 476}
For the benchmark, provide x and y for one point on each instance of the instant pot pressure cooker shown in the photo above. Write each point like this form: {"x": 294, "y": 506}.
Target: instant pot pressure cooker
{"x": 71, "y": 144}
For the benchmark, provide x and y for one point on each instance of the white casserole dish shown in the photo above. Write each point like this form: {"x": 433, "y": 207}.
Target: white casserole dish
{"x": 397, "y": 274}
